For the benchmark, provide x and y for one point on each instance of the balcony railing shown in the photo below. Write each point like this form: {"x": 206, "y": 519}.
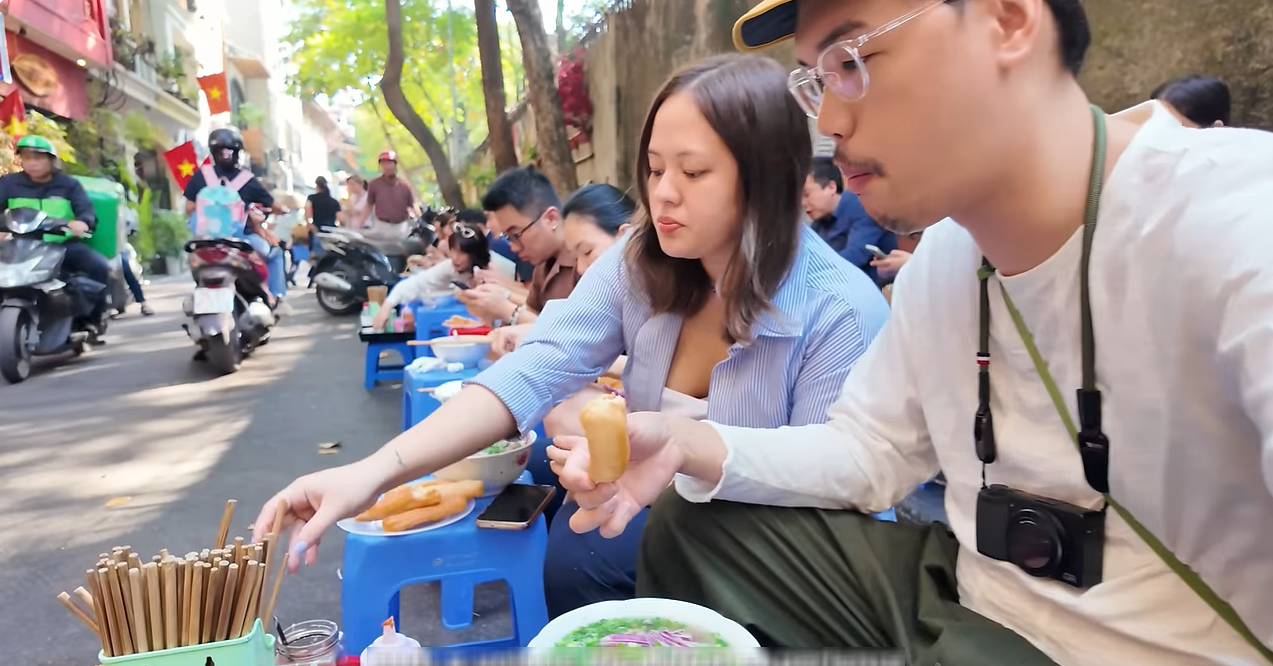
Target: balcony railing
{"x": 138, "y": 55}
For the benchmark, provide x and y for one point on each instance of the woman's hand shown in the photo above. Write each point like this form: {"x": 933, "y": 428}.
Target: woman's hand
{"x": 315, "y": 502}
{"x": 508, "y": 338}
{"x": 382, "y": 318}
{"x": 489, "y": 302}
{"x": 654, "y": 462}
{"x": 890, "y": 265}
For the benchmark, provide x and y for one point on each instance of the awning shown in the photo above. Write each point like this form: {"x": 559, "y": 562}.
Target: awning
{"x": 48, "y": 80}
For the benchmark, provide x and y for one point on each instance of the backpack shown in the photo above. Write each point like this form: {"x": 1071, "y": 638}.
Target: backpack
{"x": 220, "y": 211}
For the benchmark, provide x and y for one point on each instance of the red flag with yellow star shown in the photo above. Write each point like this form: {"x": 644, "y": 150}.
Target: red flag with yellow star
{"x": 13, "y": 114}
{"x": 218, "y": 92}
{"x": 182, "y": 162}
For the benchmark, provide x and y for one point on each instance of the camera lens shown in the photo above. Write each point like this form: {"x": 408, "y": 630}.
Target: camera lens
{"x": 1035, "y": 542}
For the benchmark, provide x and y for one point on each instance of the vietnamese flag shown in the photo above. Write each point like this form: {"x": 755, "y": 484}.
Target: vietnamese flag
{"x": 214, "y": 86}
{"x": 181, "y": 162}
{"x": 13, "y": 114}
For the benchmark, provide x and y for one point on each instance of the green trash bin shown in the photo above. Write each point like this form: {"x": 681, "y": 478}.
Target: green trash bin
{"x": 109, "y": 200}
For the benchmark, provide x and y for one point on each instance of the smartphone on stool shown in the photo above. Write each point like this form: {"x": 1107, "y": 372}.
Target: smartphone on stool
{"x": 517, "y": 507}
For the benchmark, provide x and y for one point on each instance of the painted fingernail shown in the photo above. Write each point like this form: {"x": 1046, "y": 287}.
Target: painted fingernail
{"x": 300, "y": 548}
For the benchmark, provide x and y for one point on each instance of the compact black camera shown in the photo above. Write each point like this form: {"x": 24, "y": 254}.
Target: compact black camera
{"x": 1046, "y": 538}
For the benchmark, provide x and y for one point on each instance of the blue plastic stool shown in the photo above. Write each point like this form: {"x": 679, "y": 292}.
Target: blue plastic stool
{"x": 376, "y": 371}
{"x": 461, "y": 556}
{"x": 416, "y": 405}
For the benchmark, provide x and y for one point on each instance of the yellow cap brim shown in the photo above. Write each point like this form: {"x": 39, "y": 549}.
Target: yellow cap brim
{"x": 768, "y": 23}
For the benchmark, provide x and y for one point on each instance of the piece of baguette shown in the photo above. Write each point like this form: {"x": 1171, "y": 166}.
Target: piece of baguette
{"x": 401, "y": 522}
{"x": 400, "y": 500}
{"x": 465, "y": 490}
{"x": 605, "y": 424}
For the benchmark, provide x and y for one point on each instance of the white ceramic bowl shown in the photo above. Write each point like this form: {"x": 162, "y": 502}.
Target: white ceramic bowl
{"x": 707, "y": 619}
{"x": 494, "y": 471}
{"x": 466, "y": 349}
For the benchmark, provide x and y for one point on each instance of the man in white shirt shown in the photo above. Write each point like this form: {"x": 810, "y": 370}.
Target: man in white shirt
{"x": 1181, "y": 303}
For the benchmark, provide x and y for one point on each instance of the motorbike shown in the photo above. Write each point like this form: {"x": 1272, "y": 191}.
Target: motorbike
{"x": 42, "y": 314}
{"x": 229, "y": 315}
{"x": 351, "y": 264}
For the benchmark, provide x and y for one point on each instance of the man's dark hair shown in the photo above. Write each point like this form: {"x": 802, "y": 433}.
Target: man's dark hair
{"x": 525, "y": 188}
{"x": 1202, "y": 99}
{"x": 825, "y": 171}
{"x": 471, "y": 217}
{"x": 1075, "y": 32}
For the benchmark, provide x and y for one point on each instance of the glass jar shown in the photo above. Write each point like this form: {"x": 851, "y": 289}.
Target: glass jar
{"x": 310, "y": 643}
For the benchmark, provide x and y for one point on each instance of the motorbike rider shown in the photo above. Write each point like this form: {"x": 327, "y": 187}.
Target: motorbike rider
{"x": 43, "y": 186}
{"x": 226, "y": 145}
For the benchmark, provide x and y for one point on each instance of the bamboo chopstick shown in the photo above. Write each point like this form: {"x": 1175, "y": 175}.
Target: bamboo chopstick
{"x": 196, "y": 604}
{"x": 249, "y": 576}
{"x": 212, "y": 602}
{"x": 224, "y": 530}
{"x": 227, "y": 603}
{"x": 141, "y": 626}
{"x": 254, "y": 601}
{"x": 151, "y": 575}
{"x": 99, "y": 610}
{"x": 79, "y": 613}
{"x": 116, "y": 594}
{"x": 172, "y": 636}
{"x": 278, "y": 582}
{"x": 126, "y": 597}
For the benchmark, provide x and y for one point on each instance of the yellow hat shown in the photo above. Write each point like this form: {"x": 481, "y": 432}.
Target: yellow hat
{"x": 768, "y": 23}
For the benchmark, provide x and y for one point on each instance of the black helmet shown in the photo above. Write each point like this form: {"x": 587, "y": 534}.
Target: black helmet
{"x": 226, "y": 137}
{"x": 225, "y": 145}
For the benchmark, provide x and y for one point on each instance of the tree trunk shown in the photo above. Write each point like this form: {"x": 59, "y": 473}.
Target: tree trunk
{"x": 550, "y": 124}
{"x": 499, "y": 129}
{"x": 396, "y": 100}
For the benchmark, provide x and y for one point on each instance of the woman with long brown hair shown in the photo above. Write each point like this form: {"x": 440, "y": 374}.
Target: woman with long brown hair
{"x": 728, "y": 307}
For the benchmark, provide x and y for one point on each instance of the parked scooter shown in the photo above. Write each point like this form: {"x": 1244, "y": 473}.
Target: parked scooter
{"x": 351, "y": 264}
{"x": 40, "y": 314}
{"x": 228, "y": 310}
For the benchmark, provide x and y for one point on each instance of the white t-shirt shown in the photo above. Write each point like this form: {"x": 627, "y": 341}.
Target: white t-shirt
{"x": 1182, "y": 304}
{"x": 439, "y": 278}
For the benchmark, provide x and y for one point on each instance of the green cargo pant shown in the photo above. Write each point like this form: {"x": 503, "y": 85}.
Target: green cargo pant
{"x": 808, "y": 578}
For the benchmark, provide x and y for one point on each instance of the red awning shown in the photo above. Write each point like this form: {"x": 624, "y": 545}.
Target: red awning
{"x": 48, "y": 80}
{"x": 73, "y": 28}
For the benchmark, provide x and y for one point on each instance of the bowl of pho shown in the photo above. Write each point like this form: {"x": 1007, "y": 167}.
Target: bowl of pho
{"x": 496, "y": 466}
{"x": 644, "y": 623}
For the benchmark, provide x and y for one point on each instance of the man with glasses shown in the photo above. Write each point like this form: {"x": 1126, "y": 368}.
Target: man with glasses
{"x": 527, "y": 210}
{"x": 1126, "y": 522}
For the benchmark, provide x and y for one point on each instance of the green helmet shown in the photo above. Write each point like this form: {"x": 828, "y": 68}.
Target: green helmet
{"x": 38, "y": 144}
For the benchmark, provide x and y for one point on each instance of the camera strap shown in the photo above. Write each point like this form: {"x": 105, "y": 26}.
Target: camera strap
{"x": 1090, "y": 438}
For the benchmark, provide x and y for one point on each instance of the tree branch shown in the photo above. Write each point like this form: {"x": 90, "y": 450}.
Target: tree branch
{"x": 396, "y": 100}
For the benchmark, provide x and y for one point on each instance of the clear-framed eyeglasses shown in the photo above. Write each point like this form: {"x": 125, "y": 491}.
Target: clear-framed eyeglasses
{"x": 840, "y": 67}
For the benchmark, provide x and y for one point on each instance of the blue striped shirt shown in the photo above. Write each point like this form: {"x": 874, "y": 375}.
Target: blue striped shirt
{"x": 824, "y": 315}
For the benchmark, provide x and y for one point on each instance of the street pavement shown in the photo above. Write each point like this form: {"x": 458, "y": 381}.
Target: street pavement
{"x": 134, "y": 444}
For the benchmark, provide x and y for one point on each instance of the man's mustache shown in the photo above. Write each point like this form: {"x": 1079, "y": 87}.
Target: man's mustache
{"x": 849, "y": 165}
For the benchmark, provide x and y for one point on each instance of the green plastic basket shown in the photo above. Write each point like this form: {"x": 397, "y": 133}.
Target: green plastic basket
{"x": 254, "y": 649}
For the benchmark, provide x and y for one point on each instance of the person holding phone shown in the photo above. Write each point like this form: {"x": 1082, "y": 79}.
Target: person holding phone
{"x": 728, "y": 306}
{"x": 467, "y": 249}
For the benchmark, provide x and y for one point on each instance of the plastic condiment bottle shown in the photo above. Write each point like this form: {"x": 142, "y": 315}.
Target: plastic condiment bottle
{"x": 392, "y": 648}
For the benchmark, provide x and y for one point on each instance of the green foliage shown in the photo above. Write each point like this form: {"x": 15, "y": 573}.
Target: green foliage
{"x": 144, "y": 241}
{"x": 139, "y": 131}
{"x": 97, "y": 140}
{"x": 169, "y": 233}
{"x": 342, "y": 46}
{"x": 248, "y": 115}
